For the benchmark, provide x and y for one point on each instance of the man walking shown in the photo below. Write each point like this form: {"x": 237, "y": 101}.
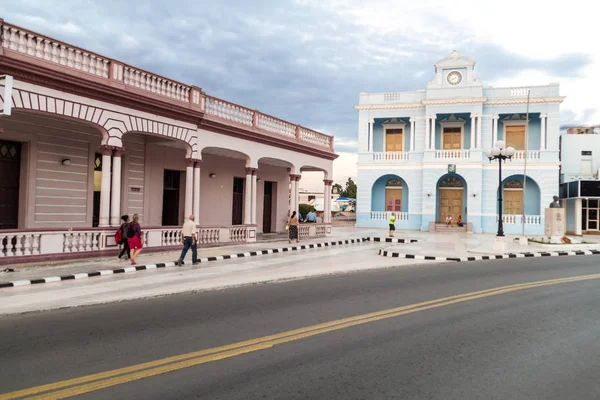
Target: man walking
{"x": 189, "y": 240}
{"x": 392, "y": 224}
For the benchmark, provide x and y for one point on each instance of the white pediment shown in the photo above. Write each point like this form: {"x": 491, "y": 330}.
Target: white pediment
{"x": 452, "y": 118}
{"x": 455, "y": 60}
{"x": 394, "y": 121}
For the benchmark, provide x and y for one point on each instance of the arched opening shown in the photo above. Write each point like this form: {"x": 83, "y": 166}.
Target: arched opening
{"x": 452, "y": 198}
{"x": 48, "y": 168}
{"x": 389, "y": 193}
{"x": 224, "y": 187}
{"x": 273, "y": 195}
{"x": 520, "y": 196}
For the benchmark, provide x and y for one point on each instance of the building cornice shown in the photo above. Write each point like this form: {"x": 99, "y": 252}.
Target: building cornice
{"x": 391, "y": 106}
{"x": 523, "y": 101}
{"x": 460, "y": 101}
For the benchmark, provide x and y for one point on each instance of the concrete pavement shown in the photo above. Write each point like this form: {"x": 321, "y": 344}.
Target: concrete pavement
{"x": 533, "y": 343}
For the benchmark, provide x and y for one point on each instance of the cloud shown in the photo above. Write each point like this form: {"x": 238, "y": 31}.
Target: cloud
{"x": 307, "y": 61}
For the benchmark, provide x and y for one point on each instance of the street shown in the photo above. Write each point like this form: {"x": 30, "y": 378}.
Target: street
{"x": 520, "y": 343}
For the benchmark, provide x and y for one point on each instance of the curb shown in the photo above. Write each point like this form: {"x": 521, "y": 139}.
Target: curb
{"x": 386, "y": 253}
{"x": 173, "y": 263}
{"x": 392, "y": 240}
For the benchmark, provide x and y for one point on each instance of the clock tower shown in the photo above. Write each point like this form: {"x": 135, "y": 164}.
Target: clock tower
{"x": 454, "y": 71}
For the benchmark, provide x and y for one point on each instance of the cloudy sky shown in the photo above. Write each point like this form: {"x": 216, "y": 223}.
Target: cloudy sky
{"x": 307, "y": 61}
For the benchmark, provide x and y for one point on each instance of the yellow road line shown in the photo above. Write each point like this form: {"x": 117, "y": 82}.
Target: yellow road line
{"x": 144, "y": 370}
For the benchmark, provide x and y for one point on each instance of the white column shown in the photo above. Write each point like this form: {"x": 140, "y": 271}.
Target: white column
{"x": 104, "y": 217}
{"x": 432, "y": 141}
{"x": 327, "y": 201}
{"x": 253, "y": 198}
{"x": 479, "y": 118}
{"x": 494, "y": 129}
{"x": 473, "y": 122}
{"x": 292, "y": 193}
{"x": 115, "y": 200}
{"x": 427, "y": 128}
{"x": 412, "y": 134}
{"x": 189, "y": 189}
{"x": 197, "y": 170}
{"x": 543, "y": 132}
{"x": 371, "y": 141}
{"x": 248, "y": 197}
{"x": 296, "y": 198}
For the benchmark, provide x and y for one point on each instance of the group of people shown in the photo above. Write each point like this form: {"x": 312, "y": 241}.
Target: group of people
{"x": 130, "y": 236}
{"x": 459, "y": 223}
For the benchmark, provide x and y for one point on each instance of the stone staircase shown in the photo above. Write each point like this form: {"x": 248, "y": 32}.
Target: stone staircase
{"x": 450, "y": 229}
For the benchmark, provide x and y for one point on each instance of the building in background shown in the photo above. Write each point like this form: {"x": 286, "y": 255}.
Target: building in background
{"x": 90, "y": 138}
{"x": 422, "y": 155}
{"x": 580, "y": 177}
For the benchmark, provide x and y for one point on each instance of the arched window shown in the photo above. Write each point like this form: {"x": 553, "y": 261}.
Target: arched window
{"x": 451, "y": 181}
{"x": 393, "y": 195}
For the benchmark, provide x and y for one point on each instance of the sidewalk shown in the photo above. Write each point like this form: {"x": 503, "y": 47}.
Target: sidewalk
{"x": 437, "y": 244}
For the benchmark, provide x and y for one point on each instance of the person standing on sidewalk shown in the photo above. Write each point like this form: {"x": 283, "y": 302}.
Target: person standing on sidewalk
{"x": 124, "y": 240}
{"x": 293, "y": 228}
{"x": 392, "y": 224}
{"x": 189, "y": 240}
{"x": 135, "y": 238}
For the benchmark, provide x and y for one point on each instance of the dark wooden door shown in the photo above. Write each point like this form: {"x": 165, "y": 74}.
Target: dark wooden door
{"x": 267, "y": 207}
{"x": 238, "y": 201}
{"x": 10, "y": 165}
{"x": 97, "y": 187}
{"x": 170, "y": 212}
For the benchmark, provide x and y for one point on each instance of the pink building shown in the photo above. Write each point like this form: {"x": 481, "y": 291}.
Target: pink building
{"x": 85, "y": 139}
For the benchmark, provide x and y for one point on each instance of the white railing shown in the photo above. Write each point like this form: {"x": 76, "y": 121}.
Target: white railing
{"x": 238, "y": 234}
{"x": 53, "y": 51}
{"x": 79, "y": 241}
{"x": 209, "y": 235}
{"x": 385, "y": 215}
{"x": 391, "y": 156}
{"x": 156, "y": 84}
{"x": 304, "y": 231}
{"x": 452, "y": 154}
{"x": 320, "y": 230}
{"x": 511, "y": 219}
{"x": 530, "y": 154}
{"x": 316, "y": 138}
{"x": 170, "y": 237}
{"x": 19, "y": 244}
{"x": 229, "y": 111}
{"x": 275, "y": 125}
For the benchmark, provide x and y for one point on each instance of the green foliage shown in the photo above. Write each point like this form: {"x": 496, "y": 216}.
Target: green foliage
{"x": 350, "y": 190}
{"x": 305, "y": 209}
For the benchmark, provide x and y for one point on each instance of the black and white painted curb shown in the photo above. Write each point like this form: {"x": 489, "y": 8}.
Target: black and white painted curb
{"x": 386, "y": 253}
{"x": 392, "y": 240}
{"x": 173, "y": 263}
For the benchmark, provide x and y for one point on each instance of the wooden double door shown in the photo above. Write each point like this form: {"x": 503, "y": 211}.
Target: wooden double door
{"x": 513, "y": 202}
{"x": 450, "y": 203}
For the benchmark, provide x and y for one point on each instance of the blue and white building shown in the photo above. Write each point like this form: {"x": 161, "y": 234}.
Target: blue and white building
{"x": 422, "y": 155}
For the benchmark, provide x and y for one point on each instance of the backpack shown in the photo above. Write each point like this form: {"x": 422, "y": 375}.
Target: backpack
{"x": 119, "y": 236}
{"x": 130, "y": 231}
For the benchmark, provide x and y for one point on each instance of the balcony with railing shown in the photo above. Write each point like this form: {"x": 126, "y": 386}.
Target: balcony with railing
{"x": 33, "y": 48}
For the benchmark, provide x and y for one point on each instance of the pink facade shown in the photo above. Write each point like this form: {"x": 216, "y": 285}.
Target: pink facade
{"x": 89, "y": 138}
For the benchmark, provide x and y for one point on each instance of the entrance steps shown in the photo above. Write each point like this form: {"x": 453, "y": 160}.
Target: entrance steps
{"x": 450, "y": 229}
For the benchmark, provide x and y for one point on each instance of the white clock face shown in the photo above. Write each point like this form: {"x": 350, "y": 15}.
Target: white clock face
{"x": 454, "y": 78}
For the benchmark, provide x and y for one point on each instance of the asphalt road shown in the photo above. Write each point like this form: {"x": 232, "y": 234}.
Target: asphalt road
{"x": 530, "y": 343}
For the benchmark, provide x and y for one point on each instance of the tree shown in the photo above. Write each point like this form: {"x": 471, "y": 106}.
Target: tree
{"x": 337, "y": 188}
{"x": 350, "y": 190}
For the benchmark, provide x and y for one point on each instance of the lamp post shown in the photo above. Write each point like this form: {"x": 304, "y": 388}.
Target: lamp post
{"x": 500, "y": 153}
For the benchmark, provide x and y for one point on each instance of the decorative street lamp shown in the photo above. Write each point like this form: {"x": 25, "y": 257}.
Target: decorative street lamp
{"x": 500, "y": 153}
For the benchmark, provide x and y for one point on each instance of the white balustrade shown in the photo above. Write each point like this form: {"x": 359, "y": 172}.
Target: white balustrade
{"x": 391, "y": 156}
{"x": 170, "y": 237}
{"x": 237, "y": 234}
{"x": 275, "y": 125}
{"x": 320, "y": 230}
{"x": 209, "y": 235}
{"x": 79, "y": 241}
{"x": 511, "y": 219}
{"x": 303, "y": 231}
{"x": 452, "y": 154}
{"x": 229, "y": 111}
{"x": 530, "y": 154}
{"x": 44, "y": 48}
{"x": 155, "y": 84}
{"x": 385, "y": 215}
{"x": 316, "y": 138}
